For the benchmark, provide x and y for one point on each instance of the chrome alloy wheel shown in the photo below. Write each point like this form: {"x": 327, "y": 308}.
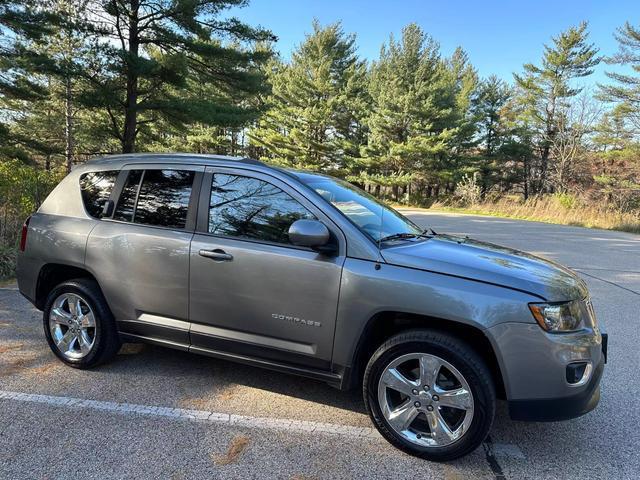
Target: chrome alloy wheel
{"x": 425, "y": 400}
{"x": 72, "y": 325}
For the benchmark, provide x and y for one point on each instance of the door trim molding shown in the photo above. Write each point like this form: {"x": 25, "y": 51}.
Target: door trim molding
{"x": 326, "y": 376}
{"x": 254, "y": 339}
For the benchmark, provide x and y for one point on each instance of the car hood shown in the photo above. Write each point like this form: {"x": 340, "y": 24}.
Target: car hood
{"x": 486, "y": 262}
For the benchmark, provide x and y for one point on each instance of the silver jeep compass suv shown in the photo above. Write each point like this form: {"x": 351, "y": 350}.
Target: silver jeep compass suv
{"x": 307, "y": 274}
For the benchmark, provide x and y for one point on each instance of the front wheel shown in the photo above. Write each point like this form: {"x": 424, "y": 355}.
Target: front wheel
{"x": 430, "y": 395}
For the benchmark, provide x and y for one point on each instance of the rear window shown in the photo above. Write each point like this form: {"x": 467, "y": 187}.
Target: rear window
{"x": 96, "y": 188}
{"x": 156, "y": 197}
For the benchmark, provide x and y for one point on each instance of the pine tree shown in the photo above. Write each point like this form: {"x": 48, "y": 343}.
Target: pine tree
{"x": 546, "y": 88}
{"x": 463, "y": 83}
{"x": 488, "y": 103}
{"x": 20, "y": 25}
{"x": 318, "y": 100}
{"x": 156, "y": 51}
{"x": 626, "y": 89}
{"x": 412, "y": 126}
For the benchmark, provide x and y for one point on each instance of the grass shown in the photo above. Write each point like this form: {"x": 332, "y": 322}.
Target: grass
{"x": 6, "y": 282}
{"x": 7, "y": 262}
{"x": 551, "y": 210}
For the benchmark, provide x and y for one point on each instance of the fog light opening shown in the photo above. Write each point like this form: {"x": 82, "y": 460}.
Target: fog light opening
{"x": 578, "y": 373}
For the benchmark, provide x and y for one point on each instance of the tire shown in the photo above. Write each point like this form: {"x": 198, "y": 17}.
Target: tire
{"x": 468, "y": 423}
{"x": 82, "y": 354}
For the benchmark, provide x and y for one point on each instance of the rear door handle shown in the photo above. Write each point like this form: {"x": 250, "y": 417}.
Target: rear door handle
{"x": 218, "y": 254}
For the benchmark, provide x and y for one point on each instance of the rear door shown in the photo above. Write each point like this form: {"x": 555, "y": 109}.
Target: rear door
{"x": 253, "y": 293}
{"x": 140, "y": 255}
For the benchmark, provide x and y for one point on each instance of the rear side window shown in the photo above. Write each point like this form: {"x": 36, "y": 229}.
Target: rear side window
{"x": 156, "y": 197}
{"x": 96, "y": 188}
{"x": 252, "y": 208}
{"x": 164, "y": 198}
{"x": 127, "y": 201}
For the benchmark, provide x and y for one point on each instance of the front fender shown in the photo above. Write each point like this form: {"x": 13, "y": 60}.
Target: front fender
{"x": 366, "y": 291}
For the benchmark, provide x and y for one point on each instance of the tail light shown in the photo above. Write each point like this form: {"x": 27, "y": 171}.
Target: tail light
{"x": 23, "y": 237}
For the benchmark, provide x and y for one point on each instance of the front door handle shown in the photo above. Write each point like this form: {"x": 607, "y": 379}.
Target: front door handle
{"x": 218, "y": 254}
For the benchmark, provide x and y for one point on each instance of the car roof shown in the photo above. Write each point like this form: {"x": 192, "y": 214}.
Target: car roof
{"x": 186, "y": 158}
{"x": 117, "y": 161}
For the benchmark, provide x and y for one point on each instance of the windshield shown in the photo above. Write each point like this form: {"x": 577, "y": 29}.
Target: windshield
{"x": 371, "y": 216}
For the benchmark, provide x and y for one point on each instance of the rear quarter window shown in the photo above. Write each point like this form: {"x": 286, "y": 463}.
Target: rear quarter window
{"x": 96, "y": 188}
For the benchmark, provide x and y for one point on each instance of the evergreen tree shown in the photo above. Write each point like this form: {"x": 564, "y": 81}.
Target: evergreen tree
{"x": 488, "y": 103}
{"x": 463, "y": 83}
{"x": 318, "y": 100}
{"x": 545, "y": 89}
{"x": 155, "y": 47}
{"x": 20, "y": 25}
{"x": 412, "y": 126}
{"x": 626, "y": 89}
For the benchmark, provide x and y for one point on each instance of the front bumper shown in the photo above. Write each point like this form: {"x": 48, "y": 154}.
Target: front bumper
{"x": 534, "y": 364}
{"x": 564, "y": 408}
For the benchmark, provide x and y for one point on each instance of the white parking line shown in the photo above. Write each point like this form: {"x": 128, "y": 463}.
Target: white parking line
{"x": 280, "y": 424}
{"x": 195, "y": 415}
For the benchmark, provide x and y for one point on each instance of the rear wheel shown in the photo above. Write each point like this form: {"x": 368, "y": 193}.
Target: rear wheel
{"x": 430, "y": 395}
{"x": 78, "y": 324}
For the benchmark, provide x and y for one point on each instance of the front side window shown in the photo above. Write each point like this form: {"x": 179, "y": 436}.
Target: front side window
{"x": 156, "y": 197}
{"x": 95, "y": 188}
{"x": 251, "y": 208}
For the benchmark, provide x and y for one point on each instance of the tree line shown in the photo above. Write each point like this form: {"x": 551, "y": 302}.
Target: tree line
{"x": 80, "y": 78}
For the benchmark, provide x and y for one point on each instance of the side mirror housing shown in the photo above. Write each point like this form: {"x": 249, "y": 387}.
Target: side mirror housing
{"x": 311, "y": 233}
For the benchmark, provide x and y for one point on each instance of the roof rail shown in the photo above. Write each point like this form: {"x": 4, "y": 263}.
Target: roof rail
{"x": 149, "y": 156}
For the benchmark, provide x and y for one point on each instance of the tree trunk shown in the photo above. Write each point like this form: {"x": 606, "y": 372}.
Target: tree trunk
{"x": 394, "y": 192}
{"x": 131, "y": 103}
{"x": 526, "y": 178}
{"x": 68, "y": 126}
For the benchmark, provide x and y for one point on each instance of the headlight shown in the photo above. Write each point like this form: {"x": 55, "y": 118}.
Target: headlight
{"x": 563, "y": 317}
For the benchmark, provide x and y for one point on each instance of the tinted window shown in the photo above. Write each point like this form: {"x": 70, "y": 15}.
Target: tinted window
{"x": 251, "y": 208}
{"x": 127, "y": 200}
{"x": 96, "y": 188}
{"x": 164, "y": 198}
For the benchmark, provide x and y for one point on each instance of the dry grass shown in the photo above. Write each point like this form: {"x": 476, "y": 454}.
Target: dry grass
{"x": 236, "y": 448}
{"x": 550, "y": 210}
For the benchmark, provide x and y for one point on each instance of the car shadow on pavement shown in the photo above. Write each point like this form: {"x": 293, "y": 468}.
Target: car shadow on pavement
{"x": 207, "y": 381}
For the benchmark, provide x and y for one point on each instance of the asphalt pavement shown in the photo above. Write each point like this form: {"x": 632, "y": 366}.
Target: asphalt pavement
{"x": 158, "y": 413}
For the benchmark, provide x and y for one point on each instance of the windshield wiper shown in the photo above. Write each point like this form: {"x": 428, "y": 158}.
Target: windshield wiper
{"x": 399, "y": 236}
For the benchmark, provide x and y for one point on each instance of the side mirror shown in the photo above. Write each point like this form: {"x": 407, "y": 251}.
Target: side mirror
{"x": 310, "y": 233}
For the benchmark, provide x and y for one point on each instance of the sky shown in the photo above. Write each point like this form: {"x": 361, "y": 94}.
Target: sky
{"x": 498, "y": 35}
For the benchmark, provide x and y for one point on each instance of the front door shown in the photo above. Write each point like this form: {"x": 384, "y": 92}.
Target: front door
{"x": 252, "y": 292}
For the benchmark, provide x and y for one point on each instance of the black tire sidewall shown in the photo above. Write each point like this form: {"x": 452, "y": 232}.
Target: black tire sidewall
{"x": 465, "y": 360}
{"x": 89, "y": 293}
